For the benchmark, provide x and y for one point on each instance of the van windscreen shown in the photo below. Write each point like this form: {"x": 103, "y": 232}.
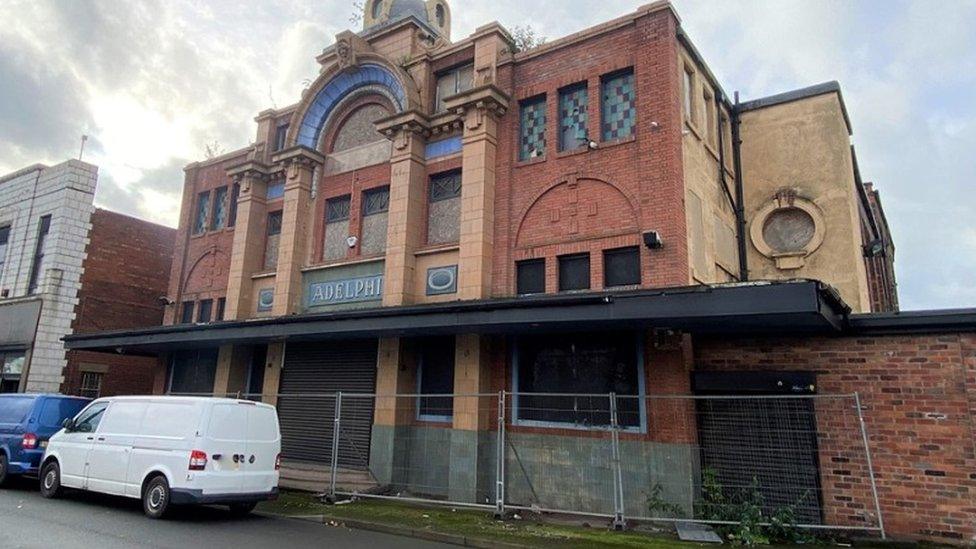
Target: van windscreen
{"x": 14, "y": 409}
{"x": 55, "y": 410}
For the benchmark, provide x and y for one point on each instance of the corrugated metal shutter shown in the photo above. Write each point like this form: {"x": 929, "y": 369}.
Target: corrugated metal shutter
{"x": 306, "y": 422}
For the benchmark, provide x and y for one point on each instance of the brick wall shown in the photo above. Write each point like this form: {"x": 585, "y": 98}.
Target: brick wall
{"x": 201, "y": 262}
{"x": 918, "y": 394}
{"x": 124, "y": 277}
{"x": 590, "y": 201}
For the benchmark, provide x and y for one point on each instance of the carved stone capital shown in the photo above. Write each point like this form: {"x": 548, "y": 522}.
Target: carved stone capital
{"x": 399, "y": 128}
{"x": 473, "y": 105}
{"x": 250, "y": 170}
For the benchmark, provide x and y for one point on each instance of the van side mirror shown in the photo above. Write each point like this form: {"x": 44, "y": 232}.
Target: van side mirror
{"x": 68, "y": 424}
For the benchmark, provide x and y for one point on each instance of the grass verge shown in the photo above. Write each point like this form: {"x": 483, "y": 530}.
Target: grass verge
{"x": 471, "y": 524}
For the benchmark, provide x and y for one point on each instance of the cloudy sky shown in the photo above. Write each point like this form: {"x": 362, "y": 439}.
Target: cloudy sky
{"x": 153, "y": 81}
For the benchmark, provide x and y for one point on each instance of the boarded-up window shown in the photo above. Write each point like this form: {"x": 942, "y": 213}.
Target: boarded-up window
{"x": 696, "y": 228}
{"x": 621, "y": 267}
{"x": 452, "y": 83}
{"x": 444, "y": 208}
{"x": 272, "y": 241}
{"x": 376, "y": 207}
{"x": 336, "y": 228}
{"x": 531, "y": 276}
{"x": 574, "y": 272}
{"x": 726, "y": 254}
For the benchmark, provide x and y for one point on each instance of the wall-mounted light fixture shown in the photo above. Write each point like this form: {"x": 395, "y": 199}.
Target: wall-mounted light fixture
{"x": 653, "y": 240}
{"x": 874, "y": 248}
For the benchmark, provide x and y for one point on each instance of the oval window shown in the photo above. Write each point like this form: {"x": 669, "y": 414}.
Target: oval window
{"x": 789, "y": 230}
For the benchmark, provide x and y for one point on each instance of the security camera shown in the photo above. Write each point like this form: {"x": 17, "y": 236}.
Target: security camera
{"x": 164, "y": 300}
{"x": 594, "y": 145}
{"x": 351, "y": 241}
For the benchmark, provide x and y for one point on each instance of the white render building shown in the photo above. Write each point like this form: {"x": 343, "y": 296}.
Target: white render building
{"x": 45, "y": 215}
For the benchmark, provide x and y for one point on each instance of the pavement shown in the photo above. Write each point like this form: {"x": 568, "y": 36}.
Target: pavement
{"x": 85, "y": 520}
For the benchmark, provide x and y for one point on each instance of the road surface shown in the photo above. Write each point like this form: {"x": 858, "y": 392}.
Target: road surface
{"x": 83, "y": 520}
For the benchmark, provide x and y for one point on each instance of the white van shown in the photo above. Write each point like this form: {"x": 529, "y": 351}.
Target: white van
{"x": 168, "y": 451}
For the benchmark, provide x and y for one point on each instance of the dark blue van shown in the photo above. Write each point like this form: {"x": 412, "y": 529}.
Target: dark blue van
{"x": 26, "y": 424}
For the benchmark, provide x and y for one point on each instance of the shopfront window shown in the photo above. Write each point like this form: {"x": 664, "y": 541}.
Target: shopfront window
{"x": 566, "y": 379}
{"x": 436, "y": 377}
{"x": 11, "y": 368}
{"x": 193, "y": 372}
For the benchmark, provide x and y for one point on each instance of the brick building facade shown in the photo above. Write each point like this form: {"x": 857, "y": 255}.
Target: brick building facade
{"x": 593, "y": 215}
{"x": 120, "y": 288}
{"x": 68, "y": 267}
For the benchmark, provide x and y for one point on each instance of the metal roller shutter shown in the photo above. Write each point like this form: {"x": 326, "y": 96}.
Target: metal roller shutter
{"x": 307, "y": 422}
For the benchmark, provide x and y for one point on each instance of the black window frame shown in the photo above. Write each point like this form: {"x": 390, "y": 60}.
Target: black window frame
{"x": 429, "y": 350}
{"x": 220, "y": 193}
{"x": 563, "y": 261}
{"x": 530, "y": 263}
{"x": 573, "y": 403}
{"x": 205, "y": 311}
{"x": 335, "y": 214}
{"x": 5, "y": 231}
{"x": 203, "y": 201}
{"x": 187, "y": 310}
{"x": 221, "y": 309}
{"x": 372, "y": 206}
{"x": 43, "y": 230}
{"x": 628, "y": 251}
{"x": 280, "y": 137}
{"x": 444, "y": 186}
{"x": 235, "y": 195}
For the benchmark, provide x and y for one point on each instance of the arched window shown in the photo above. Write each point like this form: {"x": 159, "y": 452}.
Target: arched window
{"x": 440, "y": 14}
{"x": 377, "y": 9}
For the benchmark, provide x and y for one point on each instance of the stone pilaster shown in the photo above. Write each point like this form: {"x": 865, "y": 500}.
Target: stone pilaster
{"x": 299, "y": 164}
{"x": 407, "y": 196}
{"x": 471, "y": 441}
{"x": 272, "y": 372}
{"x": 247, "y": 253}
{"x": 480, "y": 108}
{"x": 395, "y": 374}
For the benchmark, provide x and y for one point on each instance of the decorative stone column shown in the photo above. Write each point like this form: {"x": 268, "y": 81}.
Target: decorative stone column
{"x": 408, "y": 176}
{"x": 299, "y": 163}
{"x": 247, "y": 253}
{"x": 471, "y": 441}
{"x": 480, "y": 108}
{"x": 395, "y": 374}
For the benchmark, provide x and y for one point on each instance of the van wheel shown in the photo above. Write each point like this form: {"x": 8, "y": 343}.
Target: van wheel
{"x": 155, "y": 498}
{"x": 51, "y": 480}
{"x": 3, "y": 468}
{"x": 242, "y": 509}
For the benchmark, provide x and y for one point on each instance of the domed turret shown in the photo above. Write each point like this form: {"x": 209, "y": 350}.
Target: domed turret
{"x": 433, "y": 14}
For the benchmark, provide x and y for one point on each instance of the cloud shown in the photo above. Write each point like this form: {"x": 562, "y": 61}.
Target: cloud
{"x": 152, "y": 81}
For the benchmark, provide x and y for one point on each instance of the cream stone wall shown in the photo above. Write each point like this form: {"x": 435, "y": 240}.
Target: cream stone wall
{"x": 803, "y": 147}
{"x": 712, "y": 249}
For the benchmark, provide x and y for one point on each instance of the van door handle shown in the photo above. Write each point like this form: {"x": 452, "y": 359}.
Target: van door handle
{"x": 91, "y": 438}
{"x": 101, "y": 439}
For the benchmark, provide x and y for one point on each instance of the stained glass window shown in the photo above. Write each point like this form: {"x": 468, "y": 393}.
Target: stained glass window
{"x": 203, "y": 212}
{"x": 220, "y": 209}
{"x": 619, "y": 106}
{"x": 573, "y": 117}
{"x": 532, "y": 143}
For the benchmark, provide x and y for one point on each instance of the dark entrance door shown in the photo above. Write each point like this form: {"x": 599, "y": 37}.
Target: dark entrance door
{"x": 323, "y": 369}
{"x": 769, "y": 445}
